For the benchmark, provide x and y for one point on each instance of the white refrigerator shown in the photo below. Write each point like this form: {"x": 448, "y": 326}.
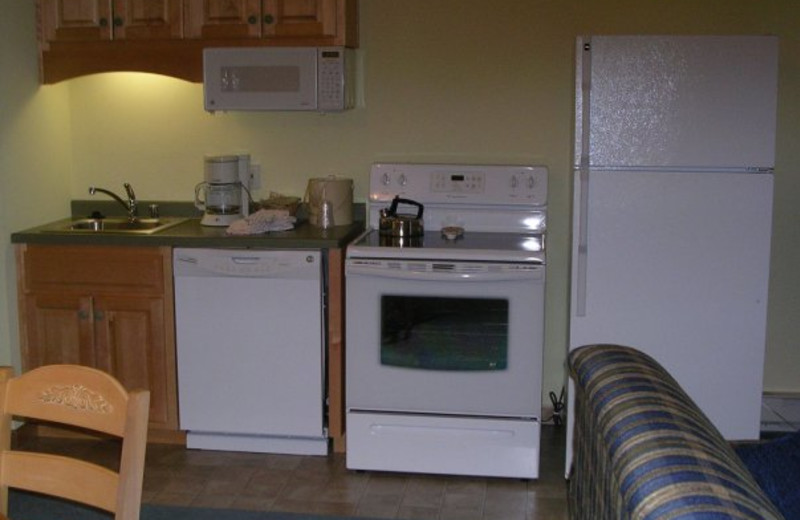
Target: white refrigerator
{"x": 672, "y": 210}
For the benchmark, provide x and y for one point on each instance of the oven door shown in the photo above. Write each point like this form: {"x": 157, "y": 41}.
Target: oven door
{"x": 460, "y": 338}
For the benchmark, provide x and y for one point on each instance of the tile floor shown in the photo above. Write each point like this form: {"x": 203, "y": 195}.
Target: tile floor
{"x": 780, "y": 413}
{"x": 322, "y": 485}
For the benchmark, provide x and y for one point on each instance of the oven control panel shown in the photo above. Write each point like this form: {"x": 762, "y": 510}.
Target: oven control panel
{"x": 446, "y": 183}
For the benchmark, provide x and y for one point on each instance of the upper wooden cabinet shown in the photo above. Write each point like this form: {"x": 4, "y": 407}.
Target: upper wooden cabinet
{"x": 301, "y": 19}
{"x": 147, "y": 19}
{"x": 270, "y": 19}
{"x": 79, "y": 37}
{"x": 214, "y": 19}
{"x": 103, "y": 20}
{"x": 87, "y": 20}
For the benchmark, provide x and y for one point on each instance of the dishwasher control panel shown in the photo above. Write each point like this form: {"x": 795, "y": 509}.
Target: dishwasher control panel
{"x": 246, "y": 263}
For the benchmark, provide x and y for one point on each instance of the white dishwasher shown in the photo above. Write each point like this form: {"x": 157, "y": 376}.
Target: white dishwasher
{"x": 250, "y": 343}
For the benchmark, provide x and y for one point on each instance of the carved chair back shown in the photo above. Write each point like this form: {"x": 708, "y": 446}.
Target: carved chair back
{"x": 88, "y": 399}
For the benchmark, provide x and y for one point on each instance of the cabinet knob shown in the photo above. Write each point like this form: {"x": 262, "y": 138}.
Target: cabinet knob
{"x": 268, "y": 19}
{"x": 252, "y": 19}
{"x": 103, "y": 22}
{"x": 83, "y": 315}
{"x": 99, "y": 315}
{"x": 118, "y": 21}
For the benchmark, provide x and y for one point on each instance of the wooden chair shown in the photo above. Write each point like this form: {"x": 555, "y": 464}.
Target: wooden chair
{"x": 83, "y": 397}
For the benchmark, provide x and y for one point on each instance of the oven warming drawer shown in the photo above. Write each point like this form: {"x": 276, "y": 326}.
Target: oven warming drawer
{"x": 491, "y": 447}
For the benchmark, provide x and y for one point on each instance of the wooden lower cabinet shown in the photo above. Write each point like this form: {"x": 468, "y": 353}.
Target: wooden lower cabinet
{"x": 112, "y": 308}
{"x": 107, "y": 307}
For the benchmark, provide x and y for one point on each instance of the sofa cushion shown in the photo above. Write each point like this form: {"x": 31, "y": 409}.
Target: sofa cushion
{"x": 644, "y": 450}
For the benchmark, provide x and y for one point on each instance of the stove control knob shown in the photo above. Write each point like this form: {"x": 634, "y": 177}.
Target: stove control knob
{"x": 402, "y": 180}
{"x": 514, "y": 182}
{"x": 386, "y": 179}
{"x": 531, "y": 183}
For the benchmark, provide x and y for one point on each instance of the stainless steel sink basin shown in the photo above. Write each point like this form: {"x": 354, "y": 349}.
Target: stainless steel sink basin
{"x": 122, "y": 225}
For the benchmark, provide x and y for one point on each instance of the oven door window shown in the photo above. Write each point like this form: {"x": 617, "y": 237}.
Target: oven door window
{"x": 435, "y": 333}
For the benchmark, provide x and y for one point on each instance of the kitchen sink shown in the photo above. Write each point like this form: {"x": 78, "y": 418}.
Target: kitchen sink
{"x": 122, "y": 225}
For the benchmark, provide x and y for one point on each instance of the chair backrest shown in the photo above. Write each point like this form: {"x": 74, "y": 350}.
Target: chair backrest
{"x": 86, "y": 398}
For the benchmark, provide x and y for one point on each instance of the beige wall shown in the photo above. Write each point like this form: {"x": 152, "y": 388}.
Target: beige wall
{"x": 443, "y": 80}
{"x": 35, "y": 153}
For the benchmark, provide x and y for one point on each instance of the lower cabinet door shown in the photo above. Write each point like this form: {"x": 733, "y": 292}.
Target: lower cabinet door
{"x": 131, "y": 345}
{"x": 59, "y": 329}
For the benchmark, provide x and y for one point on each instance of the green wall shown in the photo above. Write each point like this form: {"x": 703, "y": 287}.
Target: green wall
{"x": 441, "y": 80}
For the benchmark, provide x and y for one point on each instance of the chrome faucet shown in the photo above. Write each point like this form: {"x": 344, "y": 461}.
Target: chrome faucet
{"x": 130, "y": 206}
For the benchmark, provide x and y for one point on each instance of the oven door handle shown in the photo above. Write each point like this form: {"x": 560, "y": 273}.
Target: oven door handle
{"x": 440, "y": 276}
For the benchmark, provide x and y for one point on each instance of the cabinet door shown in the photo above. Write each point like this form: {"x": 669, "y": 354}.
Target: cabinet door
{"x": 147, "y": 19}
{"x": 300, "y": 18}
{"x": 223, "y": 19}
{"x": 131, "y": 345}
{"x": 59, "y": 329}
{"x": 74, "y": 20}
{"x": 107, "y": 307}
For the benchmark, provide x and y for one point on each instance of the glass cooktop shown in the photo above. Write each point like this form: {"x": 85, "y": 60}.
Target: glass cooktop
{"x": 524, "y": 247}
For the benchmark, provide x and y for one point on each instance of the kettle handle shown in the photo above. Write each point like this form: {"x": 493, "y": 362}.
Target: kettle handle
{"x": 397, "y": 200}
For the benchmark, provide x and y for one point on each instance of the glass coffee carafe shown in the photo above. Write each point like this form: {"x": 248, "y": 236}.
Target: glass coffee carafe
{"x": 220, "y": 199}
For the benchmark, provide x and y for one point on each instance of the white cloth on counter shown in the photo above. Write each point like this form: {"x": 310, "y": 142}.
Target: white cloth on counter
{"x": 263, "y": 221}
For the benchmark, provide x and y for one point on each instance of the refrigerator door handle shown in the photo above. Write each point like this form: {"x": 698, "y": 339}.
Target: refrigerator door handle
{"x": 583, "y": 177}
{"x": 583, "y": 242}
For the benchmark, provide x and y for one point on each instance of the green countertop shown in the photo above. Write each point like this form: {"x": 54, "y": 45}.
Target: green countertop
{"x": 191, "y": 234}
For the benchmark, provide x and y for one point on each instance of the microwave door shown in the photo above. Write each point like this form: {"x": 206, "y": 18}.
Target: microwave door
{"x": 260, "y": 79}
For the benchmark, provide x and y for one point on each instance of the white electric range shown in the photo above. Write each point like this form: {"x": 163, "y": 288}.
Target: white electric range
{"x": 445, "y": 336}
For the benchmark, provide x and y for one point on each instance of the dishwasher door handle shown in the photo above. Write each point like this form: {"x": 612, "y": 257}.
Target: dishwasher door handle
{"x": 245, "y": 260}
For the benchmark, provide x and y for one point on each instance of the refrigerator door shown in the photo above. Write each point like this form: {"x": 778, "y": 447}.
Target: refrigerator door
{"x": 677, "y": 265}
{"x": 676, "y": 102}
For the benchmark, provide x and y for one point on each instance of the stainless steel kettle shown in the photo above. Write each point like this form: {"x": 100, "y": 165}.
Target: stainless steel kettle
{"x": 394, "y": 224}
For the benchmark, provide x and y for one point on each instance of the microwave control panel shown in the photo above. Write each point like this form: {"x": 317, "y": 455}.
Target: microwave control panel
{"x": 330, "y": 88}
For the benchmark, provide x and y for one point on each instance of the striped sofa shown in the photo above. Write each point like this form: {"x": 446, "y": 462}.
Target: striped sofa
{"x": 643, "y": 450}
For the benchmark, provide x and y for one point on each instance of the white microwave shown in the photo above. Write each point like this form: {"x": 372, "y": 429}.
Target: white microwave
{"x": 278, "y": 78}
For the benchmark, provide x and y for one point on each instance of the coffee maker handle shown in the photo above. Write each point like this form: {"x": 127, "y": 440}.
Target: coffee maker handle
{"x": 199, "y": 204}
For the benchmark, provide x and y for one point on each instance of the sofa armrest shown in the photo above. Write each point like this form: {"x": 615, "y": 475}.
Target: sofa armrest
{"x": 644, "y": 450}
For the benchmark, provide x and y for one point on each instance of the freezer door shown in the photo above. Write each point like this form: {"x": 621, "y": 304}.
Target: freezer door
{"x": 677, "y": 265}
{"x": 683, "y": 102}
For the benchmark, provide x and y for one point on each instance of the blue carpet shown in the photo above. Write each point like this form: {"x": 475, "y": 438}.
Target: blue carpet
{"x": 775, "y": 464}
{"x": 35, "y": 507}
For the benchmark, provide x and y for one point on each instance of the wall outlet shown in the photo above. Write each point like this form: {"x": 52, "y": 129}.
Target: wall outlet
{"x": 255, "y": 177}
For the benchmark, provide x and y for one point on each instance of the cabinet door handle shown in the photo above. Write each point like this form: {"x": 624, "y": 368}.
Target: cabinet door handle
{"x": 252, "y": 19}
{"x": 118, "y": 21}
{"x": 104, "y": 22}
{"x": 268, "y": 19}
{"x": 99, "y": 315}
{"x": 83, "y": 315}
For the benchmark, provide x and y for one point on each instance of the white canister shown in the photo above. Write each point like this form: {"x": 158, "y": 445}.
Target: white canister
{"x": 338, "y": 192}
